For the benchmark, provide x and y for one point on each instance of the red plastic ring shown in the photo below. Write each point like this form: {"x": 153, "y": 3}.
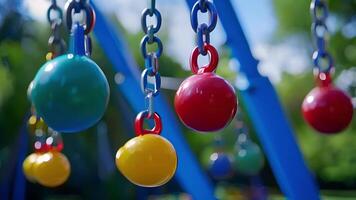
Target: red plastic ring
{"x": 214, "y": 60}
{"x": 157, "y": 129}
{"x": 57, "y": 148}
{"x": 92, "y": 24}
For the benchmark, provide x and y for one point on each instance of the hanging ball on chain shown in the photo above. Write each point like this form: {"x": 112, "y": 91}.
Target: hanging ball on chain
{"x": 326, "y": 108}
{"x": 52, "y": 169}
{"x": 28, "y": 166}
{"x": 248, "y": 158}
{"x": 70, "y": 93}
{"x": 220, "y": 166}
{"x": 147, "y": 160}
{"x": 205, "y": 102}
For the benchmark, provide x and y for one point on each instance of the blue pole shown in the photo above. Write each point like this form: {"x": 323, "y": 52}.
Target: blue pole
{"x": 267, "y": 115}
{"x": 19, "y": 187}
{"x": 189, "y": 174}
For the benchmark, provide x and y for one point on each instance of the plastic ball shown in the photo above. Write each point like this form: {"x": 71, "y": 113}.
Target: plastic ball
{"x": 70, "y": 93}
{"x": 29, "y": 91}
{"x": 52, "y": 169}
{"x": 148, "y": 160}
{"x": 28, "y": 166}
{"x": 205, "y": 102}
{"x": 327, "y": 109}
{"x": 249, "y": 159}
{"x": 220, "y": 165}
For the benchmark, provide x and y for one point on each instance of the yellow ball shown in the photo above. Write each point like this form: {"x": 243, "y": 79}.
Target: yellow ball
{"x": 28, "y": 166}
{"x": 52, "y": 169}
{"x": 149, "y": 160}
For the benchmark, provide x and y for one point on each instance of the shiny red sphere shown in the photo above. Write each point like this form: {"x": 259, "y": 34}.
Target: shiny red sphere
{"x": 327, "y": 109}
{"x": 205, "y": 102}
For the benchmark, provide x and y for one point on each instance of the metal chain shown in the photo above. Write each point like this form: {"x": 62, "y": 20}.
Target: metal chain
{"x": 203, "y": 30}
{"x": 203, "y": 5}
{"x": 150, "y": 78}
{"x": 319, "y": 12}
{"x": 56, "y": 43}
{"x": 87, "y": 20}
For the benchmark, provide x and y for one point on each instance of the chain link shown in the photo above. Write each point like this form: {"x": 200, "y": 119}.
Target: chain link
{"x": 56, "y": 43}
{"x": 323, "y": 61}
{"x": 81, "y": 12}
{"x": 203, "y": 7}
{"x": 150, "y": 78}
{"x": 151, "y": 30}
{"x": 203, "y": 30}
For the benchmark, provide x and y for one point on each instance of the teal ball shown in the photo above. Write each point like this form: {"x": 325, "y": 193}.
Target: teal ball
{"x": 249, "y": 159}
{"x": 70, "y": 93}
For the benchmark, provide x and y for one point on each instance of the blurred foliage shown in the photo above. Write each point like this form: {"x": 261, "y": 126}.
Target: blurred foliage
{"x": 294, "y": 18}
{"x": 330, "y": 157}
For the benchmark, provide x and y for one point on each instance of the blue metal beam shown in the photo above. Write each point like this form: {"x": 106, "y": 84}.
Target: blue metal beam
{"x": 19, "y": 189}
{"x": 268, "y": 118}
{"x": 189, "y": 174}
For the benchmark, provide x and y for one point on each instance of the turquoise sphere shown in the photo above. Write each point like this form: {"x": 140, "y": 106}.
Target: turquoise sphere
{"x": 70, "y": 93}
{"x": 249, "y": 159}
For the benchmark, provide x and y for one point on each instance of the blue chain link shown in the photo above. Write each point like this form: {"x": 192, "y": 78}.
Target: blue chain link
{"x": 74, "y": 6}
{"x": 55, "y": 17}
{"x": 203, "y": 30}
{"x": 59, "y": 14}
{"x": 151, "y": 88}
{"x": 148, "y": 12}
{"x": 145, "y": 41}
{"x": 319, "y": 12}
{"x": 203, "y": 36}
{"x": 202, "y": 5}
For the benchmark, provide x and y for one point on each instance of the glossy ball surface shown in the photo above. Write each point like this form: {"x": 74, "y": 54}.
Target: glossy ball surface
{"x": 249, "y": 159}
{"x": 205, "y": 102}
{"x": 327, "y": 109}
{"x": 52, "y": 169}
{"x": 148, "y": 160}
{"x": 28, "y": 167}
{"x": 220, "y": 165}
{"x": 70, "y": 93}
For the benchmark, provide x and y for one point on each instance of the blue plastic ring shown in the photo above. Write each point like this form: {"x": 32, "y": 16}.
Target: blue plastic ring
{"x": 316, "y": 59}
{"x": 203, "y": 31}
{"x": 213, "y": 15}
{"x": 148, "y": 12}
{"x": 77, "y": 7}
{"x": 144, "y": 42}
{"x": 144, "y": 82}
{"x": 315, "y": 6}
{"x": 54, "y": 7}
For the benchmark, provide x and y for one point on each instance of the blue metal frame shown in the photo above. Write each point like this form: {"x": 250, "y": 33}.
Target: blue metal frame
{"x": 189, "y": 174}
{"x": 18, "y": 183}
{"x": 19, "y": 190}
{"x": 263, "y": 106}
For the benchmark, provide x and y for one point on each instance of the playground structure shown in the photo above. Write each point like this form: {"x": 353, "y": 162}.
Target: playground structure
{"x": 279, "y": 145}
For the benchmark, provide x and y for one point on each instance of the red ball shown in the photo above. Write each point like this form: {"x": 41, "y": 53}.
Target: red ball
{"x": 327, "y": 109}
{"x": 205, "y": 102}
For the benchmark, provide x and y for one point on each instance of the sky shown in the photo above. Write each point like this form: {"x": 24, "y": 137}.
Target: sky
{"x": 274, "y": 58}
